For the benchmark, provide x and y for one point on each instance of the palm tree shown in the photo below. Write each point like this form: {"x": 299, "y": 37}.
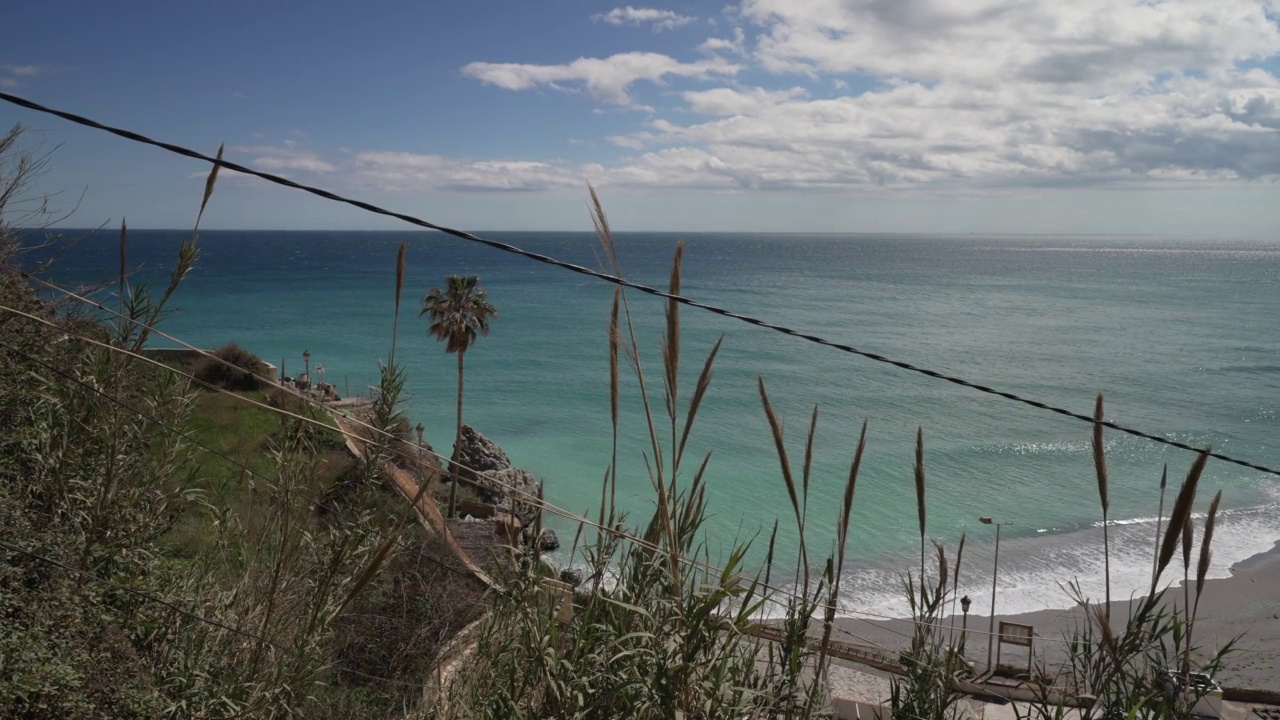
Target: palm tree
{"x": 459, "y": 316}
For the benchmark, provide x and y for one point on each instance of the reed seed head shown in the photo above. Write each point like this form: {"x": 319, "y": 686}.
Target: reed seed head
{"x": 919, "y": 472}
{"x": 1188, "y": 537}
{"x": 1180, "y": 515}
{"x": 1099, "y": 456}
{"x": 1206, "y": 550}
{"x": 208, "y": 185}
{"x": 399, "y": 274}
{"x": 613, "y": 355}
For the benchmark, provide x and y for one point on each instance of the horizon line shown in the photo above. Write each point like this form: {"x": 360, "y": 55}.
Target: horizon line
{"x": 954, "y": 233}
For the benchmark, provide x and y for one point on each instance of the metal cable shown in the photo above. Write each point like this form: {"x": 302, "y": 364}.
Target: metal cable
{"x": 506, "y": 247}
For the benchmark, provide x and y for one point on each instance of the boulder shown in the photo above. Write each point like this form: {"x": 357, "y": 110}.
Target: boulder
{"x": 547, "y": 541}
{"x": 572, "y": 576}
{"x": 506, "y": 527}
{"x": 479, "y": 453}
{"x": 510, "y": 490}
{"x": 515, "y": 483}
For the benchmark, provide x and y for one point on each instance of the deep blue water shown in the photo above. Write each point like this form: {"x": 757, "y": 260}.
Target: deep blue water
{"x": 1180, "y": 335}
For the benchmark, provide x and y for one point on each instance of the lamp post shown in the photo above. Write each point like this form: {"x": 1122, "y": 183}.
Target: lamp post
{"x": 306, "y": 358}
{"x": 995, "y": 571}
{"x": 965, "y": 602}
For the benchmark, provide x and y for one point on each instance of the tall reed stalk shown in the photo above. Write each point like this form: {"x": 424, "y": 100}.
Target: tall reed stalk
{"x": 1100, "y": 469}
{"x": 1155, "y": 550}
{"x": 788, "y": 479}
{"x": 955, "y": 585}
{"x": 920, "y": 505}
{"x": 395, "y": 322}
{"x": 1202, "y": 568}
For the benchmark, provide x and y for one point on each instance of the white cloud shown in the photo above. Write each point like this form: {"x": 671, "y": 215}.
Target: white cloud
{"x": 736, "y": 45}
{"x": 992, "y": 92}
{"x": 1103, "y": 42}
{"x": 606, "y": 79}
{"x": 23, "y": 70}
{"x": 12, "y": 76}
{"x": 274, "y": 159}
{"x": 659, "y": 19}
{"x": 728, "y": 101}
{"x": 957, "y": 96}
{"x": 1224, "y": 127}
{"x": 410, "y": 173}
{"x": 413, "y": 172}
{"x": 951, "y": 92}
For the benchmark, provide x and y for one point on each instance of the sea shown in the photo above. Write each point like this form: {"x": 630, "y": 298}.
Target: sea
{"x": 1181, "y": 335}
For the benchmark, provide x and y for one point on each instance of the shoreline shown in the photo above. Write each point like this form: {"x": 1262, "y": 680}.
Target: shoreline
{"x": 1246, "y": 604}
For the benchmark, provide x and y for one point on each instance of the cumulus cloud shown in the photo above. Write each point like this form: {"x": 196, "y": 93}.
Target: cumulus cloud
{"x": 987, "y": 42}
{"x": 1222, "y": 127}
{"x": 980, "y": 93}
{"x": 288, "y": 157}
{"x": 953, "y": 94}
{"x": 634, "y": 16}
{"x": 12, "y": 76}
{"x": 736, "y": 45}
{"x": 409, "y": 172}
{"x": 605, "y": 79}
{"x": 730, "y": 101}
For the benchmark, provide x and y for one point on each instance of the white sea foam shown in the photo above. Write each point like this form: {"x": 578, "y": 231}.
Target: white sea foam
{"x": 1034, "y": 571}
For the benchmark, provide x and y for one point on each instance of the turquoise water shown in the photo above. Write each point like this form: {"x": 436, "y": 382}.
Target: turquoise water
{"x": 1180, "y": 335}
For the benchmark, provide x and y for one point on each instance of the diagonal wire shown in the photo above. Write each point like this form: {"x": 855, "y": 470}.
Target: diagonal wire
{"x": 546, "y": 259}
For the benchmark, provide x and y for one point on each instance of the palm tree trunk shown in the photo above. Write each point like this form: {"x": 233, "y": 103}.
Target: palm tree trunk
{"x": 457, "y": 442}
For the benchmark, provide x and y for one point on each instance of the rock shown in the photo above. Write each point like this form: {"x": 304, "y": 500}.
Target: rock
{"x": 498, "y": 483}
{"x": 547, "y": 541}
{"x": 520, "y": 485}
{"x": 506, "y": 527}
{"x": 480, "y": 454}
{"x": 512, "y": 490}
{"x": 572, "y": 576}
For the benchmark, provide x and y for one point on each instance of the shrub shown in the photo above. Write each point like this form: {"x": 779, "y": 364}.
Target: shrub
{"x": 220, "y": 375}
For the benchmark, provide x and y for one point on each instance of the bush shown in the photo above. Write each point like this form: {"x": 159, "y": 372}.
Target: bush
{"x": 219, "y": 375}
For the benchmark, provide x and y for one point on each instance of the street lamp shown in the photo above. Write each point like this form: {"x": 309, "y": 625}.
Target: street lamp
{"x": 995, "y": 570}
{"x": 306, "y": 358}
{"x": 965, "y": 602}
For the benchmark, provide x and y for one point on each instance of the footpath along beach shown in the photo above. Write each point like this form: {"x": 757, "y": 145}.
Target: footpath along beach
{"x": 1247, "y": 604}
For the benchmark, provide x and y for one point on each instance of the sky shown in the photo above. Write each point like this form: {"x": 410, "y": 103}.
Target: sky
{"x": 953, "y": 116}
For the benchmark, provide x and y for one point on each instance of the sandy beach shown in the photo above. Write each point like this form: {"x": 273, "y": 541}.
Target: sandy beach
{"x": 1247, "y": 604}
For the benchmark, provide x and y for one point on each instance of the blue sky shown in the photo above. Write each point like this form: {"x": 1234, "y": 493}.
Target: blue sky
{"x": 814, "y": 115}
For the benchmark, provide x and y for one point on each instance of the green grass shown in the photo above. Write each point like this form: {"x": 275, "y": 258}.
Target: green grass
{"x": 225, "y": 423}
